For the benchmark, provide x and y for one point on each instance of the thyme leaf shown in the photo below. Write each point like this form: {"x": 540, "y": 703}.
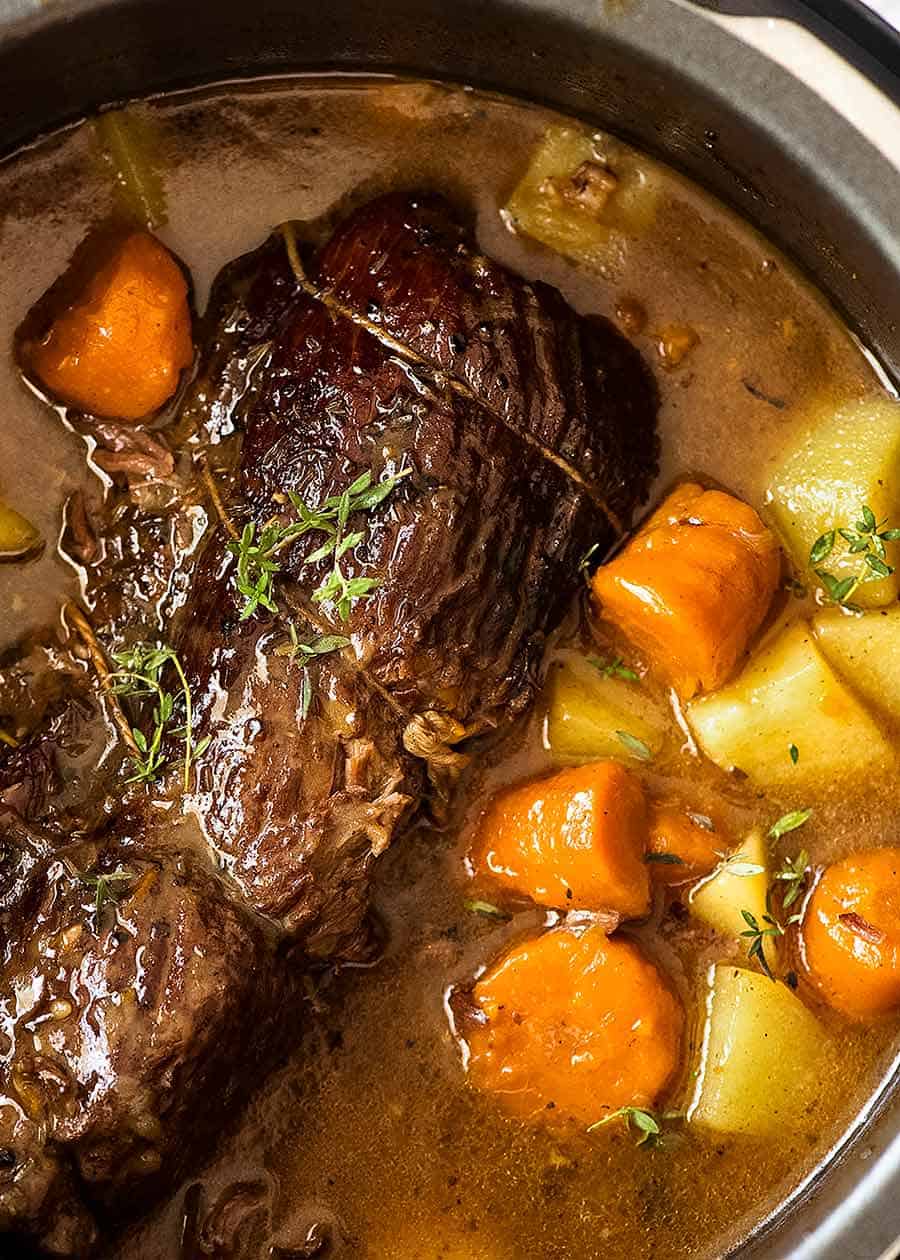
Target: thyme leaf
{"x": 794, "y": 753}
{"x": 822, "y": 548}
{"x": 486, "y": 908}
{"x": 616, "y": 668}
{"x": 737, "y": 864}
{"x": 585, "y": 561}
{"x": 635, "y": 746}
{"x": 305, "y": 694}
{"x": 302, "y": 653}
{"x": 664, "y": 859}
{"x": 789, "y": 822}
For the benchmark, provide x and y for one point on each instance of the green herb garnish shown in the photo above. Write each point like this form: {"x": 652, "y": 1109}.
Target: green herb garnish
{"x": 139, "y": 676}
{"x": 664, "y": 859}
{"x": 635, "y": 746}
{"x": 103, "y": 885}
{"x": 789, "y": 822}
{"x": 794, "y": 753}
{"x": 646, "y": 1125}
{"x": 588, "y": 556}
{"x": 302, "y": 653}
{"x": 486, "y": 908}
{"x": 756, "y": 934}
{"x": 737, "y": 864}
{"x": 257, "y": 550}
{"x": 616, "y": 668}
{"x": 865, "y": 539}
{"x": 793, "y": 874}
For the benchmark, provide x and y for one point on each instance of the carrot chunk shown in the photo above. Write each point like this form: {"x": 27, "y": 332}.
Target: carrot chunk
{"x": 123, "y": 336}
{"x": 574, "y": 841}
{"x": 851, "y": 934}
{"x": 686, "y": 850}
{"x": 574, "y": 1025}
{"x": 693, "y": 586}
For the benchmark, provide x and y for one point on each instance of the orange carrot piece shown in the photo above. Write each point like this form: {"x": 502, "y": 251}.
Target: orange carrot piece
{"x": 674, "y": 834}
{"x": 575, "y": 841}
{"x": 850, "y": 937}
{"x": 121, "y": 342}
{"x": 574, "y": 1025}
{"x": 693, "y": 586}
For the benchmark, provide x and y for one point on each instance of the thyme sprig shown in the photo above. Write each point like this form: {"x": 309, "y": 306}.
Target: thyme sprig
{"x": 257, "y": 550}
{"x": 139, "y": 676}
{"x": 866, "y": 539}
{"x": 302, "y": 653}
{"x": 756, "y": 933}
{"x": 793, "y": 876}
{"x": 646, "y": 1124}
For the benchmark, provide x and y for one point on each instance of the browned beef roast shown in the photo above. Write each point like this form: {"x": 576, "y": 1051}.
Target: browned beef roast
{"x": 521, "y": 430}
{"x": 524, "y": 434}
{"x": 126, "y": 1023}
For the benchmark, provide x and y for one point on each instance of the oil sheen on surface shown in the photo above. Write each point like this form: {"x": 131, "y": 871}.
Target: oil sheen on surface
{"x": 371, "y": 1125}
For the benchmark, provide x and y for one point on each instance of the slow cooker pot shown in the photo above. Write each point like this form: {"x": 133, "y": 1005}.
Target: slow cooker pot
{"x": 680, "y": 83}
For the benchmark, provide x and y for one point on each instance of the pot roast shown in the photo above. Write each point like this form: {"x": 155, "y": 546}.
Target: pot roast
{"x": 522, "y": 435}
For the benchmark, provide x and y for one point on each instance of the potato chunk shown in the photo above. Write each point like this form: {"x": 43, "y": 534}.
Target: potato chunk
{"x": 580, "y": 189}
{"x": 739, "y": 884}
{"x": 849, "y": 460}
{"x": 762, "y": 1056}
{"x": 588, "y": 708}
{"x": 693, "y": 586}
{"x": 789, "y": 694}
{"x": 865, "y": 650}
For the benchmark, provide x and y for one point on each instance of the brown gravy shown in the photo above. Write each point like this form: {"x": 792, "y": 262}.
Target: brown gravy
{"x": 371, "y": 1125}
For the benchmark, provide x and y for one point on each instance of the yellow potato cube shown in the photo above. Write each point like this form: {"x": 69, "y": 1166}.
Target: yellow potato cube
{"x": 592, "y": 715}
{"x": 849, "y": 459}
{"x": 582, "y": 188}
{"x": 865, "y": 650}
{"x": 762, "y": 1056}
{"x": 789, "y": 694}
{"x": 740, "y": 883}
